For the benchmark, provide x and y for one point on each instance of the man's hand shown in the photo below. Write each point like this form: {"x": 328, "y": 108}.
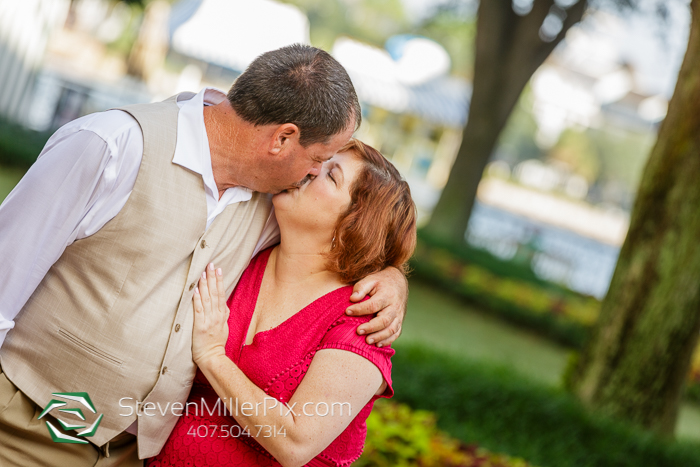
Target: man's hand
{"x": 388, "y": 291}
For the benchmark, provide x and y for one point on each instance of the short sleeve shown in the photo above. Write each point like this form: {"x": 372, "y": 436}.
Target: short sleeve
{"x": 343, "y": 335}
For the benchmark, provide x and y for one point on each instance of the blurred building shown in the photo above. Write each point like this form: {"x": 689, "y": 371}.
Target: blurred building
{"x": 608, "y": 83}
{"x": 25, "y": 27}
{"x": 218, "y": 39}
{"x": 413, "y": 111}
{"x": 105, "y": 54}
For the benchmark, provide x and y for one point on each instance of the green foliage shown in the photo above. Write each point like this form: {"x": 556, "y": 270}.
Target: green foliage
{"x": 369, "y": 21}
{"x": 504, "y": 412}
{"x": 375, "y": 21}
{"x": 19, "y": 147}
{"x": 516, "y": 142}
{"x": 126, "y": 40}
{"x": 456, "y": 31}
{"x": 400, "y": 437}
{"x": 693, "y": 389}
{"x": 622, "y": 155}
{"x": 513, "y": 292}
{"x": 9, "y": 177}
{"x": 576, "y": 149}
{"x": 570, "y": 370}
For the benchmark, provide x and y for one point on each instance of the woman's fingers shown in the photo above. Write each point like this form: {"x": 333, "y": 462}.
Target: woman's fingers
{"x": 221, "y": 292}
{"x": 197, "y": 301}
{"x": 211, "y": 285}
{"x": 210, "y": 325}
{"x": 204, "y": 292}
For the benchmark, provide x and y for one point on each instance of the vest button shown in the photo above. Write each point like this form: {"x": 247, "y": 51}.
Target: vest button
{"x": 203, "y": 244}
{"x": 192, "y": 285}
{"x": 177, "y": 328}
{"x": 165, "y": 370}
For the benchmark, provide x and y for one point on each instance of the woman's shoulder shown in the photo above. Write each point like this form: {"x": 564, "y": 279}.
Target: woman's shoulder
{"x": 342, "y": 335}
{"x": 342, "y": 330}
{"x": 332, "y": 309}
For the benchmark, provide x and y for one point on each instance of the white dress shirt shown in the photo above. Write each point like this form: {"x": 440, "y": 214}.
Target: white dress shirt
{"x": 46, "y": 212}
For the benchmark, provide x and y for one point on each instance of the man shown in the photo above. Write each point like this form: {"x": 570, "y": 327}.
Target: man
{"x": 104, "y": 238}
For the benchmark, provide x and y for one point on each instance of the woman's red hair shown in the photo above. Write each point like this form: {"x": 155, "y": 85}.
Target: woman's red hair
{"x": 379, "y": 227}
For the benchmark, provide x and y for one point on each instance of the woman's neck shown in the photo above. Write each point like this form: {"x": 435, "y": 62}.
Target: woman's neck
{"x": 295, "y": 262}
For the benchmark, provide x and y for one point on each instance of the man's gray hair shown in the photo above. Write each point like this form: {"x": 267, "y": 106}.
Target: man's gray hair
{"x": 297, "y": 84}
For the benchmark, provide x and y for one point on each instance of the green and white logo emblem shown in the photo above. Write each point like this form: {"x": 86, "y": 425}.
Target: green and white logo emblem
{"x": 57, "y": 435}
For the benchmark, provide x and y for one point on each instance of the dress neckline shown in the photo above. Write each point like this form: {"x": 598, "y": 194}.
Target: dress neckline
{"x": 263, "y": 260}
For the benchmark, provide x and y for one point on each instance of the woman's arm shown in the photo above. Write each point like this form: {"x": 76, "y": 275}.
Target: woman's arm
{"x": 337, "y": 380}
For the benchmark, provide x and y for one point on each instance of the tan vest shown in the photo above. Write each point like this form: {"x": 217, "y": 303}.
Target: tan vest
{"x": 113, "y": 316}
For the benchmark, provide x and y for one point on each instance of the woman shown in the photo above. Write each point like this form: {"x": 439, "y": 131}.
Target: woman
{"x": 282, "y": 354}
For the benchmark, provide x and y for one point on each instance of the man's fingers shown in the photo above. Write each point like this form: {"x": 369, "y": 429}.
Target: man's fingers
{"x": 379, "y": 323}
{"x": 390, "y": 340}
{"x": 362, "y": 289}
{"x": 380, "y": 337}
{"x": 375, "y": 304}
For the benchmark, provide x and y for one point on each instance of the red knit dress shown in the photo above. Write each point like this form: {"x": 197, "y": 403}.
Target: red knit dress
{"x": 275, "y": 361}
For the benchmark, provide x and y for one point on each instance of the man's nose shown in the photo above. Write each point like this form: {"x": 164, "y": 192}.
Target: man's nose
{"x": 315, "y": 169}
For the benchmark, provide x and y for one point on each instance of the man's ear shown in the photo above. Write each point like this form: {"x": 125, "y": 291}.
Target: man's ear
{"x": 285, "y": 136}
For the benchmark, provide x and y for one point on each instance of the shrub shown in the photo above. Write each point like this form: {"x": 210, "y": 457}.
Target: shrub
{"x": 504, "y": 412}
{"x": 19, "y": 147}
{"x": 511, "y": 291}
{"x": 398, "y": 436}
{"x": 559, "y": 313}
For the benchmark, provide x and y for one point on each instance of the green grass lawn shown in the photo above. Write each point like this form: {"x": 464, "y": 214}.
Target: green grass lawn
{"x": 447, "y": 323}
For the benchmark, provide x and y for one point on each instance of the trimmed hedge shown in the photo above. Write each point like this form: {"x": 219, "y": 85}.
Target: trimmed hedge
{"x": 512, "y": 291}
{"x": 19, "y": 147}
{"x": 507, "y": 289}
{"x": 504, "y": 412}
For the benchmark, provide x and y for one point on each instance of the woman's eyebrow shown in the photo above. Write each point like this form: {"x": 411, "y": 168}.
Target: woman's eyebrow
{"x": 342, "y": 174}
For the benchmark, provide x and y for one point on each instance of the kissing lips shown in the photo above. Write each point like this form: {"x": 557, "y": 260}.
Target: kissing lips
{"x": 302, "y": 182}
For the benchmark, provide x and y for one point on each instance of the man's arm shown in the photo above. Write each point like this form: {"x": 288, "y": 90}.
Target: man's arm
{"x": 43, "y": 215}
{"x": 388, "y": 291}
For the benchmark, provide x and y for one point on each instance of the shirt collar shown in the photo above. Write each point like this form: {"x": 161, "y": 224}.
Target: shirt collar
{"x": 192, "y": 146}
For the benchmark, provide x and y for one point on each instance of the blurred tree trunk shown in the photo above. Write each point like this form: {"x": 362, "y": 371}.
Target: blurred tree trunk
{"x": 149, "y": 51}
{"x": 509, "y": 48}
{"x": 638, "y": 358}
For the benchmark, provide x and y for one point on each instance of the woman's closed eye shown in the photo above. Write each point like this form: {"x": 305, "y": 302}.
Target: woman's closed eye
{"x": 330, "y": 174}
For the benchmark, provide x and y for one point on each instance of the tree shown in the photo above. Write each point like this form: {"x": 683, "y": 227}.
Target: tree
{"x": 372, "y": 21}
{"x": 639, "y": 355}
{"x": 510, "y": 46}
{"x": 452, "y": 25}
